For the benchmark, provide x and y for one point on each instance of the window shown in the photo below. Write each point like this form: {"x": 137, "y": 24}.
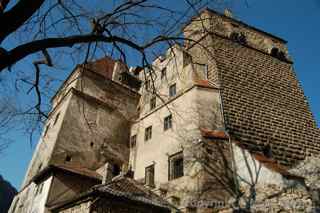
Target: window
{"x": 167, "y": 122}
{"x": 56, "y": 119}
{"x": 238, "y": 37}
{"x": 172, "y": 90}
{"x": 133, "y": 140}
{"x": 147, "y": 84}
{"x": 116, "y": 170}
{"x": 149, "y": 176}
{"x": 275, "y": 52}
{"x": 68, "y": 158}
{"x": 153, "y": 103}
{"x": 148, "y": 133}
{"x": 39, "y": 189}
{"x": 176, "y": 166}
{"x": 163, "y": 73}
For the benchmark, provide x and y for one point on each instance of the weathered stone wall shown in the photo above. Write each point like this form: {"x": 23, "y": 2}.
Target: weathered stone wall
{"x": 32, "y": 198}
{"x": 47, "y": 141}
{"x": 100, "y": 104}
{"x": 91, "y": 134}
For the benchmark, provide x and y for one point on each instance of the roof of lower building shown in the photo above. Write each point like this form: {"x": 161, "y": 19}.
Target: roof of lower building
{"x": 124, "y": 188}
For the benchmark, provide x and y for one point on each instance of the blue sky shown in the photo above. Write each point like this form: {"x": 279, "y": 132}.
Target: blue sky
{"x": 294, "y": 20}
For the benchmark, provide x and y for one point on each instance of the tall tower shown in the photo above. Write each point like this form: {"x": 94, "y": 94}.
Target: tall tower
{"x": 263, "y": 103}
{"x": 87, "y": 127}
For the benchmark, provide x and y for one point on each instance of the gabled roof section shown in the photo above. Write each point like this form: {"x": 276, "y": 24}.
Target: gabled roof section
{"x": 75, "y": 170}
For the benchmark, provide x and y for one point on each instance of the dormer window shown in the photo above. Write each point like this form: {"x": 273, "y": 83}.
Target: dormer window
{"x": 238, "y": 37}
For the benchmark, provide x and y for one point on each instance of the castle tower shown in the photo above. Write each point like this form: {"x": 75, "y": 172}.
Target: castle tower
{"x": 88, "y": 126}
{"x": 263, "y": 103}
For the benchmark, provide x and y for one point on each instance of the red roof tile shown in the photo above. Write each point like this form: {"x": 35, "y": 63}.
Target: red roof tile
{"x": 218, "y": 134}
{"x": 204, "y": 83}
{"x": 103, "y": 66}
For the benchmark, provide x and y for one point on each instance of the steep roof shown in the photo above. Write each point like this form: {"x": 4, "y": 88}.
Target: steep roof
{"x": 122, "y": 188}
{"x": 76, "y": 170}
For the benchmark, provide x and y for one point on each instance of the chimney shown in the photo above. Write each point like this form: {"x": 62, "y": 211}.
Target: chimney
{"x": 107, "y": 173}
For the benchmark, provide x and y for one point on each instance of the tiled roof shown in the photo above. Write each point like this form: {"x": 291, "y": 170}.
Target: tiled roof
{"x": 204, "y": 83}
{"x": 128, "y": 188}
{"x": 124, "y": 188}
{"x": 103, "y": 66}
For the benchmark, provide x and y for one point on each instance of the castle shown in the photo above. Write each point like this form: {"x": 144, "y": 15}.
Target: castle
{"x": 161, "y": 139}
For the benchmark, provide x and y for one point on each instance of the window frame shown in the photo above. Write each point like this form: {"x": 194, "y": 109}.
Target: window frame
{"x": 153, "y": 102}
{"x": 173, "y": 173}
{"x": 167, "y": 122}
{"x": 147, "y": 181}
{"x": 163, "y": 73}
{"x": 147, "y": 135}
{"x": 171, "y": 89}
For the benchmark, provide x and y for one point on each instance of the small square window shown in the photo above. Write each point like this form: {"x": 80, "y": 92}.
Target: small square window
{"x": 172, "y": 90}
{"x": 153, "y": 103}
{"x": 133, "y": 141}
{"x": 167, "y": 122}
{"x": 163, "y": 73}
{"x": 176, "y": 166}
{"x": 149, "y": 176}
{"x": 148, "y": 133}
